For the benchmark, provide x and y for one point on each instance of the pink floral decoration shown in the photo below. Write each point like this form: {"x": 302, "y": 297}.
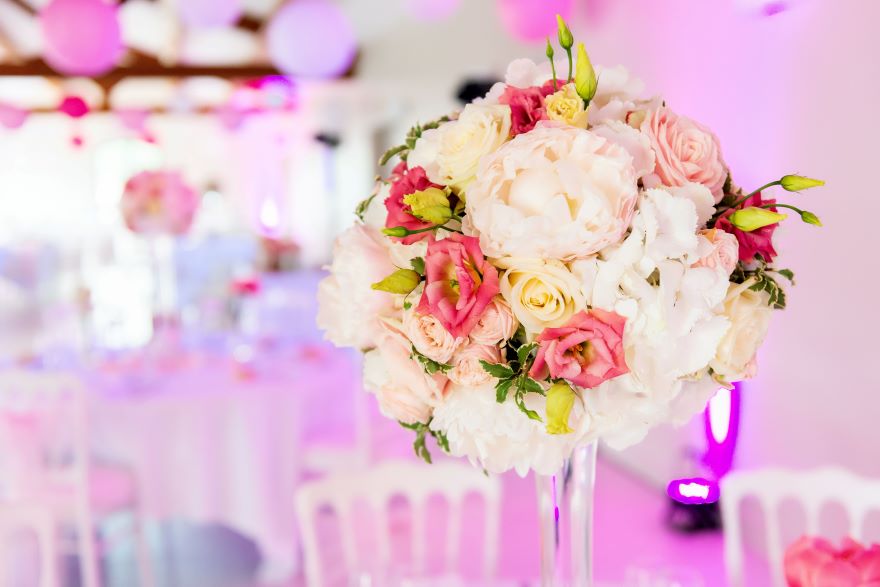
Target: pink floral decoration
{"x": 459, "y": 283}
{"x": 815, "y": 562}
{"x": 158, "y": 202}
{"x": 526, "y": 106}
{"x": 757, "y": 242}
{"x": 587, "y": 351}
{"x": 405, "y": 182}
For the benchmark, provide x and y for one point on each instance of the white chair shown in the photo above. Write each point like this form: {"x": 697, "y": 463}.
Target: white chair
{"x": 44, "y": 435}
{"x": 414, "y": 481}
{"x": 812, "y": 490}
{"x": 38, "y": 519}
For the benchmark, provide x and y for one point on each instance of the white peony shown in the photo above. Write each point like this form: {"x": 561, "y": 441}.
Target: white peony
{"x": 349, "y": 310}
{"x": 541, "y": 293}
{"x": 499, "y": 437}
{"x": 451, "y": 153}
{"x": 556, "y": 192}
{"x": 749, "y": 315}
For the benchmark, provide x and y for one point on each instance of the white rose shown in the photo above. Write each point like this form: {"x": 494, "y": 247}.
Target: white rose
{"x": 405, "y": 392}
{"x": 497, "y": 323}
{"x": 450, "y": 154}
{"x": 349, "y": 310}
{"x": 541, "y": 293}
{"x": 467, "y": 369}
{"x": 749, "y": 315}
{"x": 556, "y": 192}
{"x": 430, "y": 337}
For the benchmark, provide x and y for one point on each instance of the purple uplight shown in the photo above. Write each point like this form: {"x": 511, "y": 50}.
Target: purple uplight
{"x": 722, "y": 430}
{"x": 772, "y": 8}
{"x": 693, "y": 491}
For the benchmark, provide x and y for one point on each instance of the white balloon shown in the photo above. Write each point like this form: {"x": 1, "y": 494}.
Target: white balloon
{"x": 150, "y": 27}
{"x": 371, "y": 21}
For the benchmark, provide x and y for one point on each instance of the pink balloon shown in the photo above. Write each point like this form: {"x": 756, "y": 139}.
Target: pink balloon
{"x": 81, "y": 37}
{"x": 533, "y": 20}
{"x": 429, "y": 10}
{"x": 12, "y": 117}
{"x": 209, "y": 13}
{"x": 311, "y": 38}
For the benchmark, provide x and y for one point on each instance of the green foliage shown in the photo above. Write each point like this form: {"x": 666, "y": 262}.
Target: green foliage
{"x": 423, "y": 430}
{"x": 430, "y": 366}
{"x": 414, "y": 134}
{"x": 515, "y": 377}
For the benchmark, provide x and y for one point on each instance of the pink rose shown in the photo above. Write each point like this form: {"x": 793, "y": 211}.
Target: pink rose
{"x": 404, "y": 391}
{"x": 814, "y": 562}
{"x": 526, "y": 106}
{"x": 724, "y": 253}
{"x": 497, "y": 323}
{"x": 757, "y": 242}
{"x": 459, "y": 283}
{"x": 405, "y": 182}
{"x": 430, "y": 337}
{"x": 686, "y": 152}
{"x": 586, "y": 351}
{"x": 467, "y": 369}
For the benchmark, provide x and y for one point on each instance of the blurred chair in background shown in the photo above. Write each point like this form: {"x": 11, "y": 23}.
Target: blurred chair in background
{"x": 39, "y": 520}
{"x": 811, "y": 490}
{"x": 44, "y": 434}
{"x": 348, "y": 496}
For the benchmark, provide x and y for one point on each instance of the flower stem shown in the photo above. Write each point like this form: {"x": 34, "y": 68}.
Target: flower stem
{"x": 570, "y": 64}
{"x": 790, "y": 207}
{"x": 757, "y": 191}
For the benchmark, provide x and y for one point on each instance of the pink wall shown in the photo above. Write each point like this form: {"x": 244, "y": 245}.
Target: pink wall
{"x": 795, "y": 92}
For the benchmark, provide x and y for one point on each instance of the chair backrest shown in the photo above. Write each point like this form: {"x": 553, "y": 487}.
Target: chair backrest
{"x": 377, "y": 486}
{"x": 812, "y": 490}
{"x": 43, "y": 426}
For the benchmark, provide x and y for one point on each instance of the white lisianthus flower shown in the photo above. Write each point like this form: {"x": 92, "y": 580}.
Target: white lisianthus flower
{"x": 616, "y": 95}
{"x": 450, "y": 154}
{"x": 557, "y": 192}
{"x": 541, "y": 293}
{"x": 749, "y": 314}
{"x": 404, "y": 391}
{"x": 499, "y": 437}
{"x": 349, "y": 310}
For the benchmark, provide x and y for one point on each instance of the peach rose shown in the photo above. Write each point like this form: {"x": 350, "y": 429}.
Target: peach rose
{"x": 430, "y": 337}
{"x": 497, "y": 323}
{"x": 467, "y": 369}
{"x": 724, "y": 252}
{"x": 686, "y": 152}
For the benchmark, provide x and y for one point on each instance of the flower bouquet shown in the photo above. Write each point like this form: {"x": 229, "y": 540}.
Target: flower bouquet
{"x": 563, "y": 260}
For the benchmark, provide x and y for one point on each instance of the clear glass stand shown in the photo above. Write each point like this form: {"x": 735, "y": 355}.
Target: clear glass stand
{"x": 565, "y": 511}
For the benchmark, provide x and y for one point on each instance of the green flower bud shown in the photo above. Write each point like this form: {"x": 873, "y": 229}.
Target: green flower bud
{"x": 566, "y": 40}
{"x": 402, "y": 281}
{"x": 796, "y": 183}
{"x": 560, "y": 401}
{"x": 550, "y": 52}
{"x": 810, "y": 218}
{"x": 749, "y": 219}
{"x": 584, "y": 76}
{"x": 430, "y": 205}
{"x": 397, "y": 231}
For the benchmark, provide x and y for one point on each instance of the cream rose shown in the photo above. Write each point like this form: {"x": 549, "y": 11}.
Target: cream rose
{"x": 556, "y": 192}
{"x": 404, "y": 391}
{"x": 541, "y": 293}
{"x": 566, "y": 106}
{"x": 349, "y": 310}
{"x": 430, "y": 337}
{"x": 749, "y": 316}
{"x": 467, "y": 369}
{"x": 450, "y": 154}
{"x": 497, "y": 323}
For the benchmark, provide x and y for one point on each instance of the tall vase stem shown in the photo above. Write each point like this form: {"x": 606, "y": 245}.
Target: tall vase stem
{"x": 565, "y": 509}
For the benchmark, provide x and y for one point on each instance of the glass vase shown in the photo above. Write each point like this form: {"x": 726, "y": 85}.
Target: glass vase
{"x": 565, "y": 513}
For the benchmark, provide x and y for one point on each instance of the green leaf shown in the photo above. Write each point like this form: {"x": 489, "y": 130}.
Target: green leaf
{"x": 560, "y": 401}
{"x": 529, "y": 385}
{"x": 520, "y": 403}
{"x": 497, "y": 370}
{"x": 361, "y": 209}
{"x": 387, "y": 155}
{"x": 501, "y": 390}
{"x": 429, "y": 365}
{"x": 418, "y": 265}
{"x": 407, "y": 305}
{"x": 786, "y": 273}
{"x": 523, "y": 352}
{"x": 402, "y": 281}
{"x": 430, "y": 205}
{"x": 442, "y": 440}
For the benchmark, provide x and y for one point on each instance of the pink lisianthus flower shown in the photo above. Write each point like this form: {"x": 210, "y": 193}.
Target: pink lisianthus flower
{"x": 526, "y": 106}
{"x": 587, "y": 351}
{"x": 459, "y": 283}
{"x": 757, "y": 242}
{"x": 815, "y": 562}
{"x": 405, "y": 182}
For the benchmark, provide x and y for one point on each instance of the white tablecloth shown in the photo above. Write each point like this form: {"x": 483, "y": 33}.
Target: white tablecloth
{"x": 213, "y": 446}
